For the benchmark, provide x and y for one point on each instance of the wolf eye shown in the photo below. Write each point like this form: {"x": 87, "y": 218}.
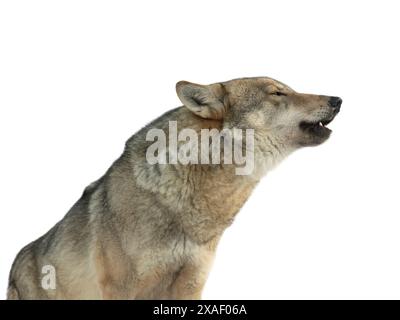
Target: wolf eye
{"x": 278, "y": 93}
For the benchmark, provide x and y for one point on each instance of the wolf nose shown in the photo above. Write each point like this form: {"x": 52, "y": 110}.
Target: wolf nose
{"x": 335, "y": 102}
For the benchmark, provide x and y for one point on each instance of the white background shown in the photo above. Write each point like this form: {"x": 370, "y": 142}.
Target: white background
{"x": 77, "y": 78}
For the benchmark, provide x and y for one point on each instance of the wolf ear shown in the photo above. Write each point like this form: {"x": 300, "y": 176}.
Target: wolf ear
{"x": 205, "y": 101}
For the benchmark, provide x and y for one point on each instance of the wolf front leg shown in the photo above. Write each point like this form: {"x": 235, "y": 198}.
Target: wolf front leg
{"x": 191, "y": 278}
{"x": 189, "y": 283}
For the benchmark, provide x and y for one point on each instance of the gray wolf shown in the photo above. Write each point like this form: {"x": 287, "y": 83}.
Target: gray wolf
{"x": 150, "y": 231}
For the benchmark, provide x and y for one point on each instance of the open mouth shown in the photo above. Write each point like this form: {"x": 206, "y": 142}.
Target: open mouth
{"x": 318, "y": 128}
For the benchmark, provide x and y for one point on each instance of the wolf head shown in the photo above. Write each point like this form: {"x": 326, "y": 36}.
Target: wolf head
{"x": 271, "y": 108}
